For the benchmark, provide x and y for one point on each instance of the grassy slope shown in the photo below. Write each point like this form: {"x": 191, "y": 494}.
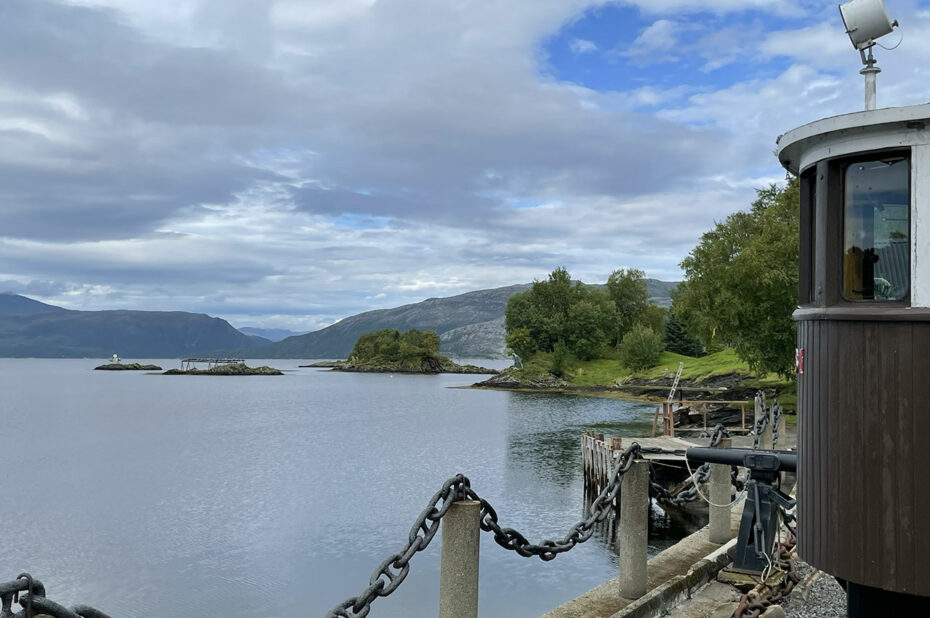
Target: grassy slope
{"x": 606, "y": 372}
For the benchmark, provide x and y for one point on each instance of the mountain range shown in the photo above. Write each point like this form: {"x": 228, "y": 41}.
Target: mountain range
{"x": 469, "y": 325}
{"x": 29, "y": 328}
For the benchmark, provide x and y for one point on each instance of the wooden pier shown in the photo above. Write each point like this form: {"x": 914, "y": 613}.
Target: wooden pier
{"x": 599, "y": 455}
{"x": 667, "y": 415}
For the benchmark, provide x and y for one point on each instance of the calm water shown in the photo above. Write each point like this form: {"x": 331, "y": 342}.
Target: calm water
{"x": 148, "y": 495}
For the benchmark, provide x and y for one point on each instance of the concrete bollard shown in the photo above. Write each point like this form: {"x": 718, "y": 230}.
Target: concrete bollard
{"x": 458, "y": 570}
{"x": 719, "y": 493}
{"x": 634, "y": 530}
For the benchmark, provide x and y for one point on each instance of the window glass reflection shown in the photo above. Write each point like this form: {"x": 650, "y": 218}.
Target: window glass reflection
{"x": 876, "y": 261}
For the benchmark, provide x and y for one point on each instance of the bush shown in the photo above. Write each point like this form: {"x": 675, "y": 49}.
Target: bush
{"x": 641, "y": 348}
{"x": 561, "y": 359}
{"x": 521, "y": 342}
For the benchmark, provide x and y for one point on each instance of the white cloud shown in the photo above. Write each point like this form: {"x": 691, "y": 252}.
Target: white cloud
{"x": 582, "y": 46}
{"x": 657, "y": 43}
{"x": 305, "y": 161}
{"x": 672, "y": 7}
{"x": 822, "y": 45}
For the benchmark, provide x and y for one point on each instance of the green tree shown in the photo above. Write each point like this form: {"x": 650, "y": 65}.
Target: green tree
{"x": 388, "y": 346}
{"x": 627, "y": 288}
{"x": 557, "y": 309}
{"x": 740, "y": 283}
{"x": 561, "y": 359}
{"x": 543, "y": 309}
{"x": 678, "y": 340}
{"x": 521, "y": 342}
{"x": 654, "y": 317}
{"x": 641, "y": 348}
{"x": 589, "y": 325}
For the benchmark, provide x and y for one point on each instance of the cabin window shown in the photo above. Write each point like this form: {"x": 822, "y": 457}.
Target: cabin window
{"x": 808, "y": 249}
{"x": 876, "y": 225}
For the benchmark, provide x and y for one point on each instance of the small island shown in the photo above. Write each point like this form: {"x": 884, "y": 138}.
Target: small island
{"x": 127, "y": 367}
{"x": 390, "y": 351}
{"x": 230, "y": 369}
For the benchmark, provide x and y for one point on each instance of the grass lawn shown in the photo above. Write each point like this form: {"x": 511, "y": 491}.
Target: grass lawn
{"x": 607, "y": 372}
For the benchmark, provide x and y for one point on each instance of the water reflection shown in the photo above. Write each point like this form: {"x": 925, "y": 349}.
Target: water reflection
{"x": 666, "y": 527}
{"x": 543, "y": 442}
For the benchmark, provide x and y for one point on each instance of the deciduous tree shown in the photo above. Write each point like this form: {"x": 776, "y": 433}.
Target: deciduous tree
{"x": 627, "y": 288}
{"x": 741, "y": 282}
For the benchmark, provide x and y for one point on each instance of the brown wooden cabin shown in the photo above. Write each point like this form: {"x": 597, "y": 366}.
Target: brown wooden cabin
{"x": 864, "y": 347}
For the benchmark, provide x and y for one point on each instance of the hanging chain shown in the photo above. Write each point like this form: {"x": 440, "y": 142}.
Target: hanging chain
{"x": 390, "y": 573}
{"x": 755, "y": 602}
{"x": 701, "y": 475}
{"x": 29, "y": 593}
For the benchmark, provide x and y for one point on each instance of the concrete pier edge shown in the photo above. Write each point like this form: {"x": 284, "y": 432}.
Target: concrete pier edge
{"x": 674, "y": 575}
{"x": 671, "y": 593}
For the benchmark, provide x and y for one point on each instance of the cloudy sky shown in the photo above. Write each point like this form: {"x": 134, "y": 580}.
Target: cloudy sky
{"x": 286, "y": 163}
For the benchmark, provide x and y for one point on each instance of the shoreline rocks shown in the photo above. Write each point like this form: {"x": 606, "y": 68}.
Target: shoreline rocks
{"x": 127, "y": 367}
{"x": 723, "y": 387}
{"x": 428, "y": 367}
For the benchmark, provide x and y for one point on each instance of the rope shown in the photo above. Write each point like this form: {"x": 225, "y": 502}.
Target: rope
{"x": 738, "y": 497}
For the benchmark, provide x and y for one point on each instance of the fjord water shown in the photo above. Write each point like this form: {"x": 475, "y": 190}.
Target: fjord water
{"x": 147, "y": 495}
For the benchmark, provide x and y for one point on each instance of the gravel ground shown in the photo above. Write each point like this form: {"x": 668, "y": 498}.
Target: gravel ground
{"x": 824, "y": 599}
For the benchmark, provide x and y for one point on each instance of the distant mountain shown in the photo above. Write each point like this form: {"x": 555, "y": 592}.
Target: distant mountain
{"x": 60, "y": 333}
{"x": 481, "y": 340}
{"x": 660, "y": 292}
{"x": 469, "y": 325}
{"x": 271, "y": 334}
{"x": 438, "y": 314}
{"x": 14, "y": 304}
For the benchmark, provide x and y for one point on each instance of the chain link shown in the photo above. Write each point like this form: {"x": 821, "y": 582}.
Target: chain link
{"x": 701, "y": 475}
{"x": 600, "y": 507}
{"x": 391, "y": 573}
{"x": 29, "y": 593}
{"x": 771, "y": 415}
{"x": 776, "y": 416}
{"x": 754, "y": 603}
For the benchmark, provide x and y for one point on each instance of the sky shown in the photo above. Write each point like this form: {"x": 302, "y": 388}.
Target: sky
{"x": 289, "y": 163}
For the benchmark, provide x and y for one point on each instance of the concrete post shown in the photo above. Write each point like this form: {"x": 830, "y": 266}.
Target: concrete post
{"x": 458, "y": 570}
{"x": 719, "y": 531}
{"x": 634, "y": 530}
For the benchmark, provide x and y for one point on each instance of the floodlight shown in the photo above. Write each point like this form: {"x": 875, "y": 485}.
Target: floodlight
{"x": 865, "y": 21}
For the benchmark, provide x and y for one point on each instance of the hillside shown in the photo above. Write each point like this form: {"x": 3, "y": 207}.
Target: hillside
{"x": 271, "y": 334}
{"x": 437, "y": 314}
{"x": 53, "y": 332}
{"x": 469, "y": 325}
{"x": 14, "y": 304}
